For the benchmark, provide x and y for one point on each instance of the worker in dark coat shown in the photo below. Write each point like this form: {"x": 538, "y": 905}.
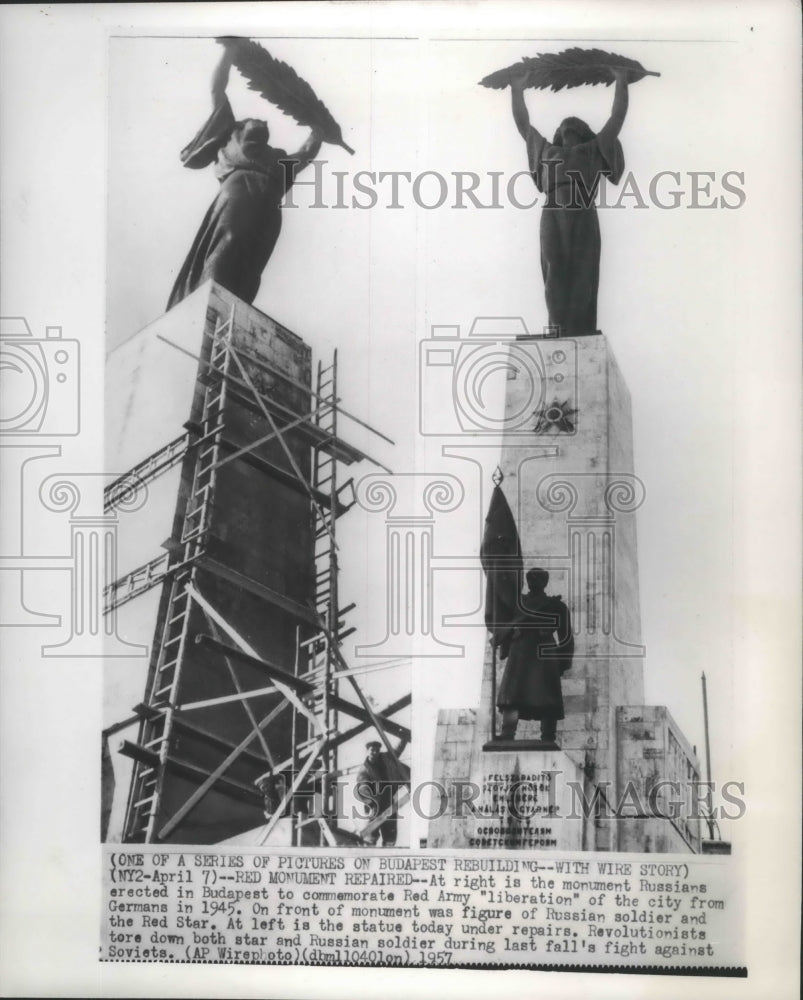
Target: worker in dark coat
{"x": 538, "y": 647}
{"x": 374, "y": 788}
{"x": 241, "y": 226}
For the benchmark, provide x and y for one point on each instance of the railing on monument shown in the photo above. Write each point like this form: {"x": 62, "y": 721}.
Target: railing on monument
{"x": 312, "y": 687}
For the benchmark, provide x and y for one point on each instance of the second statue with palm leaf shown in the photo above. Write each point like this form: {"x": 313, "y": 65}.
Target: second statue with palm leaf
{"x": 567, "y": 171}
{"x": 239, "y": 231}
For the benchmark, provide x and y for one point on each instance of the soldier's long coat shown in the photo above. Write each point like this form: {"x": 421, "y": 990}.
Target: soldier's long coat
{"x": 538, "y": 648}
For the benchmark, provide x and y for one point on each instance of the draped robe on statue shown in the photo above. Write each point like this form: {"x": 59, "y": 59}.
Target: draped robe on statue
{"x": 570, "y": 242}
{"x": 242, "y": 225}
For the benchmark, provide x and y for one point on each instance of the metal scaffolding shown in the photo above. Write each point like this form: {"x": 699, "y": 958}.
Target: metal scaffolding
{"x": 303, "y": 788}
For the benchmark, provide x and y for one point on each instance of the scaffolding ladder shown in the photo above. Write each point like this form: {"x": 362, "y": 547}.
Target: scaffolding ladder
{"x": 315, "y": 656}
{"x": 311, "y": 686}
{"x": 146, "y": 788}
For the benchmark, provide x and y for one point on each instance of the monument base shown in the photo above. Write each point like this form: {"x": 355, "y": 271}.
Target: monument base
{"x": 503, "y": 794}
{"x": 528, "y": 794}
{"x": 501, "y": 744}
{"x": 611, "y": 781}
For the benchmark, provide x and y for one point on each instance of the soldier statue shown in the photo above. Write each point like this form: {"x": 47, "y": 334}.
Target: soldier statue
{"x": 538, "y": 646}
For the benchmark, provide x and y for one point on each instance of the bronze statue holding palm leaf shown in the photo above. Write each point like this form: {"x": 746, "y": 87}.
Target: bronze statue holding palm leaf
{"x": 568, "y": 171}
{"x": 239, "y": 231}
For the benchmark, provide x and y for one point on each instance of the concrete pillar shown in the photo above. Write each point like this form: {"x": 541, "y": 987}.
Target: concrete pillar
{"x": 576, "y": 516}
{"x": 569, "y": 481}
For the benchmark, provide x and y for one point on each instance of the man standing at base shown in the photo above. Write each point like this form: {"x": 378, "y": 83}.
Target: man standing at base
{"x": 538, "y": 647}
{"x": 374, "y": 788}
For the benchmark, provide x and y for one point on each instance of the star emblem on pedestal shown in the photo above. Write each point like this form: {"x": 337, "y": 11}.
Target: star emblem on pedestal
{"x": 555, "y": 418}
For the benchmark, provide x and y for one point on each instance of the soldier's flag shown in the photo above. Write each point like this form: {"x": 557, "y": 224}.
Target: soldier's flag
{"x": 500, "y": 555}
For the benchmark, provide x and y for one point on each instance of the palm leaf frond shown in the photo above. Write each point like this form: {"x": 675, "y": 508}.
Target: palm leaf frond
{"x": 569, "y": 68}
{"x": 281, "y": 85}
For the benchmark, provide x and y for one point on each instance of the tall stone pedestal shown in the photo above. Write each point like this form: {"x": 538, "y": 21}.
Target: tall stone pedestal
{"x": 239, "y": 532}
{"x": 574, "y": 504}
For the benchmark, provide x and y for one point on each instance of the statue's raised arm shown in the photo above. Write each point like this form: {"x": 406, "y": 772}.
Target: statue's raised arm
{"x": 613, "y": 125}
{"x": 568, "y": 170}
{"x": 295, "y": 162}
{"x": 521, "y": 115}
{"x": 220, "y": 77}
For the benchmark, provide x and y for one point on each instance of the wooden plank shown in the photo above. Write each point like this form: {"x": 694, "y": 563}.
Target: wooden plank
{"x": 226, "y": 699}
{"x": 227, "y": 786}
{"x": 219, "y": 569}
{"x": 232, "y": 633}
{"x": 399, "y": 799}
{"x": 402, "y": 702}
{"x": 199, "y": 792}
{"x": 283, "y": 476}
{"x": 261, "y": 363}
{"x": 285, "y": 447}
{"x": 340, "y": 449}
{"x": 213, "y": 739}
{"x": 397, "y": 730}
{"x": 302, "y": 774}
{"x": 273, "y": 670}
{"x": 118, "y": 726}
{"x": 327, "y": 832}
{"x": 139, "y": 753}
{"x": 369, "y": 717}
{"x": 245, "y": 703}
{"x": 337, "y": 447}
